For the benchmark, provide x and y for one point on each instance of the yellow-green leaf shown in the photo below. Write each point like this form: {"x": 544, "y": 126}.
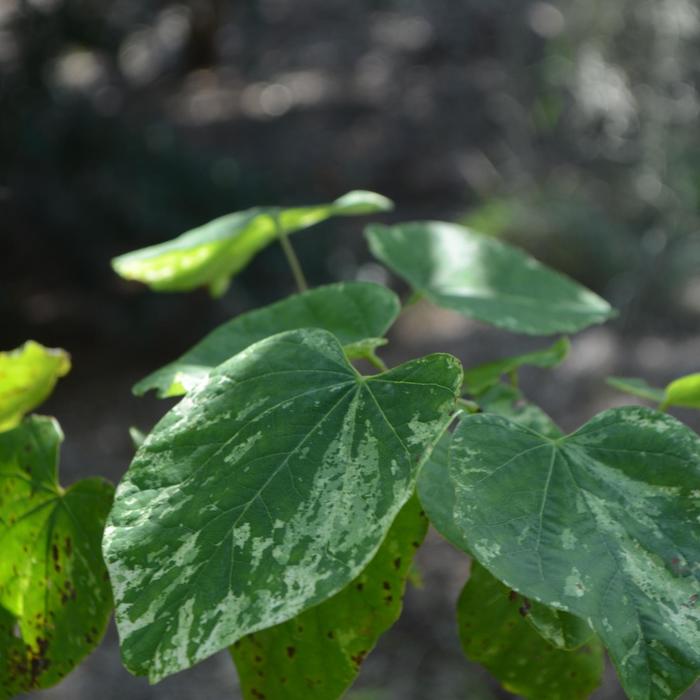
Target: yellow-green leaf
{"x": 213, "y": 253}
{"x": 27, "y": 377}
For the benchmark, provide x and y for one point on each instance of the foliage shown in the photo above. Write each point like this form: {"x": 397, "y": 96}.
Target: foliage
{"x": 275, "y": 510}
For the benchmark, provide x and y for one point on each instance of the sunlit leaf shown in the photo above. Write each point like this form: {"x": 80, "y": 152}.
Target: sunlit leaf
{"x": 27, "y": 377}
{"x": 494, "y": 633}
{"x": 602, "y": 523}
{"x": 211, "y": 254}
{"x": 485, "y": 279}
{"x": 318, "y": 654}
{"x": 478, "y": 379}
{"x": 264, "y": 492}
{"x": 684, "y": 392}
{"x": 55, "y": 599}
{"x": 353, "y": 311}
{"x": 637, "y": 387}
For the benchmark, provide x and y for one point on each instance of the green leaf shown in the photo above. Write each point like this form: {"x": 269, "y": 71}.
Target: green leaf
{"x": 54, "y": 594}
{"x": 27, "y": 377}
{"x": 559, "y": 628}
{"x": 684, "y": 392}
{"x": 602, "y": 523}
{"x": 437, "y": 495}
{"x": 264, "y": 492}
{"x": 509, "y": 402}
{"x": 478, "y": 379}
{"x": 494, "y": 633}
{"x": 637, "y": 387}
{"x": 211, "y": 254}
{"x": 317, "y": 655}
{"x": 483, "y": 278}
{"x": 352, "y": 311}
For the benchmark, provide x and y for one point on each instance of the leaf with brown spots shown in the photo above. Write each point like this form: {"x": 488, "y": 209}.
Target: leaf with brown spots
{"x": 54, "y": 598}
{"x": 494, "y": 633}
{"x": 337, "y": 635}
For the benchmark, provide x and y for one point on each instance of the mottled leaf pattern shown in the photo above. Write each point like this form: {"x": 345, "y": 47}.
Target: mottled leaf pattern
{"x": 55, "y": 599}
{"x": 264, "y": 492}
{"x": 317, "y": 655}
{"x": 602, "y": 523}
{"x": 559, "y": 628}
{"x": 352, "y": 311}
{"x": 211, "y": 254}
{"x": 27, "y": 377}
{"x": 493, "y": 632}
{"x": 485, "y": 279}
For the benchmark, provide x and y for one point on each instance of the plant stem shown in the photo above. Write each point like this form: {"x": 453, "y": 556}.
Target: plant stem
{"x": 291, "y": 256}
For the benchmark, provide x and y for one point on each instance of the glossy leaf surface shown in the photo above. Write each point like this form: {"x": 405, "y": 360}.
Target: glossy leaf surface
{"x": 55, "y": 599}
{"x": 478, "y": 379}
{"x": 352, "y": 311}
{"x": 485, "y": 279}
{"x": 264, "y": 492}
{"x": 211, "y": 254}
{"x": 602, "y": 523}
{"x": 27, "y": 377}
{"x": 493, "y": 632}
{"x": 318, "y": 654}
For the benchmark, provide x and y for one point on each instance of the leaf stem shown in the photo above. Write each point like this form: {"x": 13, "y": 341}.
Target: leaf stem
{"x": 469, "y": 406}
{"x": 292, "y": 259}
{"x": 376, "y": 361}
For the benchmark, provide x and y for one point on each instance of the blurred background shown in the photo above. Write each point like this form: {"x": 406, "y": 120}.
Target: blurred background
{"x": 569, "y": 127}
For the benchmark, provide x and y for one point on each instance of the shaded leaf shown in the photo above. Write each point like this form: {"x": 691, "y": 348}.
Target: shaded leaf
{"x": 352, "y": 311}
{"x": 264, "y": 492}
{"x": 53, "y": 583}
{"x": 509, "y": 402}
{"x": 561, "y": 629}
{"x": 27, "y": 377}
{"x": 494, "y": 633}
{"x": 211, "y": 254}
{"x": 485, "y": 279}
{"x": 318, "y": 654}
{"x": 478, "y": 379}
{"x": 637, "y": 387}
{"x": 602, "y": 523}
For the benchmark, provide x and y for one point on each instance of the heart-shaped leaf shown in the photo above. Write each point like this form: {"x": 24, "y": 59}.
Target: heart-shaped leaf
{"x": 55, "y": 599}
{"x": 353, "y": 311}
{"x": 318, "y": 654}
{"x": 603, "y": 523}
{"x": 437, "y": 495}
{"x": 264, "y": 492}
{"x": 211, "y": 254}
{"x": 494, "y": 633}
{"x": 27, "y": 377}
{"x": 485, "y": 279}
{"x": 478, "y": 379}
